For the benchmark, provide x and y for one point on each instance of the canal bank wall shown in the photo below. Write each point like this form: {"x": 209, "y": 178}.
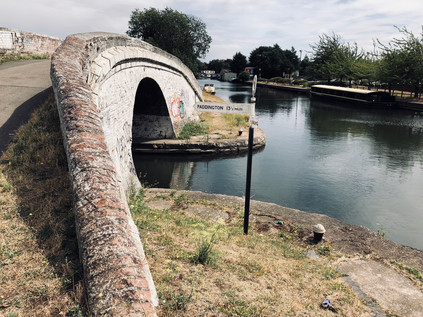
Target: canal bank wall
{"x": 202, "y": 144}
{"x": 410, "y": 105}
{"x": 301, "y": 90}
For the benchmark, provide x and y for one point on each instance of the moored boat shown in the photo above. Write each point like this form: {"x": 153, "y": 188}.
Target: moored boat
{"x": 209, "y": 88}
{"x": 352, "y": 95}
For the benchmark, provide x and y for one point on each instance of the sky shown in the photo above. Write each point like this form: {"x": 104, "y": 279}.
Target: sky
{"x": 234, "y": 25}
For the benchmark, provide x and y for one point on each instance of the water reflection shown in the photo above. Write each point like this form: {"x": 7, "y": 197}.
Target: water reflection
{"x": 176, "y": 171}
{"x": 271, "y": 101}
{"x": 240, "y": 98}
{"x": 394, "y": 137}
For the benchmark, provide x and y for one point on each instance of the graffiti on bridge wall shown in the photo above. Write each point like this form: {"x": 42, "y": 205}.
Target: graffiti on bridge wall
{"x": 177, "y": 107}
{"x": 178, "y": 104}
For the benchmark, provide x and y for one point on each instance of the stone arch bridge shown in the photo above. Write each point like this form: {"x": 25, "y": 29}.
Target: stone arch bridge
{"x": 111, "y": 91}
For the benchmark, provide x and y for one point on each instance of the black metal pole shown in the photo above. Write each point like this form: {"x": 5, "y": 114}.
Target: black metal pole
{"x": 248, "y": 182}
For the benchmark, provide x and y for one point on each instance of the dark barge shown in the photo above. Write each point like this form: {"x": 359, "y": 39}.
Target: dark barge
{"x": 352, "y": 95}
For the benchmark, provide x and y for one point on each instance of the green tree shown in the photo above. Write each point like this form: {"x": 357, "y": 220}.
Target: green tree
{"x": 272, "y": 61}
{"x": 402, "y": 60}
{"x": 179, "y": 34}
{"x": 305, "y": 65}
{"x": 324, "y": 65}
{"x": 366, "y": 68}
{"x": 238, "y": 62}
{"x": 244, "y": 76}
{"x": 346, "y": 60}
{"x": 334, "y": 59}
{"x": 218, "y": 64}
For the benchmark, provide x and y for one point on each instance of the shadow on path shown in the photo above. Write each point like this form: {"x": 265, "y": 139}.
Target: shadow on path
{"x": 20, "y": 116}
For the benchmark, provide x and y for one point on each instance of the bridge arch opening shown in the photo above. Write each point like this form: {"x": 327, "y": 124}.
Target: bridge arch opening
{"x": 151, "y": 118}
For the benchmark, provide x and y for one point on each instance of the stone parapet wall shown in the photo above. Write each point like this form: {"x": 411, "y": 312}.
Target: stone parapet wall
{"x": 117, "y": 278}
{"x": 22, "y": 42}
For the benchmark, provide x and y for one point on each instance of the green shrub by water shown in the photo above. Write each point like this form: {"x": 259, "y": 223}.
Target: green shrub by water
{"x": 193, "y": 128}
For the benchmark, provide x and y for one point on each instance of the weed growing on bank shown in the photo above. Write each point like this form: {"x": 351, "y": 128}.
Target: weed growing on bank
{"x": 193, "y": 128}
{"x": 40, "y": 273}
{"x": 210, "y": 268}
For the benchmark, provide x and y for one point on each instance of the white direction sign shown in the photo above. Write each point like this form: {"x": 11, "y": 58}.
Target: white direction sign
{"x": 254, "y": 88}
{"x": 238, "y": 108}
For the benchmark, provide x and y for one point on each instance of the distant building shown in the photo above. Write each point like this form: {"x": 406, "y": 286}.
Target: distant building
{"x": 207, "y": 73}
{"x": 227, "y": 75}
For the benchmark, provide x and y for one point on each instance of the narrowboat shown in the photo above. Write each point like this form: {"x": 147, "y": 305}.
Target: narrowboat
{"x": 352, "y": 95}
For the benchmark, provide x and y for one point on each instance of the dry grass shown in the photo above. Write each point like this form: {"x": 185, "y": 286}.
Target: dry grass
{"x": 263, "y": 274}
{"x": 208, "y": 97}
{"x": 39, "y": 266}
{"x": 225, "y": 123}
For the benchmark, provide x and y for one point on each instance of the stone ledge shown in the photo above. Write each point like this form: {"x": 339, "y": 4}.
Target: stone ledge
{"x": 205, "y": 144}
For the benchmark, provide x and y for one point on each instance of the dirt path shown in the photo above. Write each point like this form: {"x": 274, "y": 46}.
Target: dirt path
{"x": 23, "y": 86}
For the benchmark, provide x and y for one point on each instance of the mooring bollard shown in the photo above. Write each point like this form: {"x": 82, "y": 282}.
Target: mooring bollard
{"x": 318, "y": 231}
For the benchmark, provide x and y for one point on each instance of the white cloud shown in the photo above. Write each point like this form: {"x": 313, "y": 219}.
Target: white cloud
{"x": 235, "y": 25}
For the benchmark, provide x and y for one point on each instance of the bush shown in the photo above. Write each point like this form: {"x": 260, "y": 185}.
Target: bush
{"x": 244, "y": 76}
{"x": 300, "y": 82}
{"x": 193, "y": 128}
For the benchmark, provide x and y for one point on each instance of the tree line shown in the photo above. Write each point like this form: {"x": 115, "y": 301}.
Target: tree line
{"x": 400, "y": 62}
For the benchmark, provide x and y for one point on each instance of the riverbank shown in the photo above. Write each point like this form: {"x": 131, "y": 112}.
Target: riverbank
{"x": 278, "y": 86}
{"x": 379, "y": 271}
{"x": 403, "y": 103}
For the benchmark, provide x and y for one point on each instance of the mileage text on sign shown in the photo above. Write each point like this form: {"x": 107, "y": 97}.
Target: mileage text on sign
{"x": 239, "y": 108}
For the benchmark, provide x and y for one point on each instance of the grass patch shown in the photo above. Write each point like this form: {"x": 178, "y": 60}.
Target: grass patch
{"x": 210, "y": 268}
{"x": 236, "y": 120}
{"x": 21, "y": 57}
{"x": 413, "y": 272}
{"x": 193, "y": 128}
{"x": 40, "y": 272}
{"x": 205, "y": 251}
{"x": 227, "y": 124}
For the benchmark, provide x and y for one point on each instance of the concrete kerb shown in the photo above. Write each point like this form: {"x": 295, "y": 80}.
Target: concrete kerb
{"x": 118, "y": 280}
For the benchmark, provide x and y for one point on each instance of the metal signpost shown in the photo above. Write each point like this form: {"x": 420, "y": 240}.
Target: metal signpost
{"x": 249, "y": 162}
{"x": 239, "y": 108}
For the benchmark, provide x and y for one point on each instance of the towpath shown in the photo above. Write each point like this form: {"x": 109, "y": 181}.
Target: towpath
{"x": 23, "y": 86}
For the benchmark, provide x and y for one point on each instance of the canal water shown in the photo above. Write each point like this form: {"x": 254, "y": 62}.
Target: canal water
{"x": 361, "y": 166}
